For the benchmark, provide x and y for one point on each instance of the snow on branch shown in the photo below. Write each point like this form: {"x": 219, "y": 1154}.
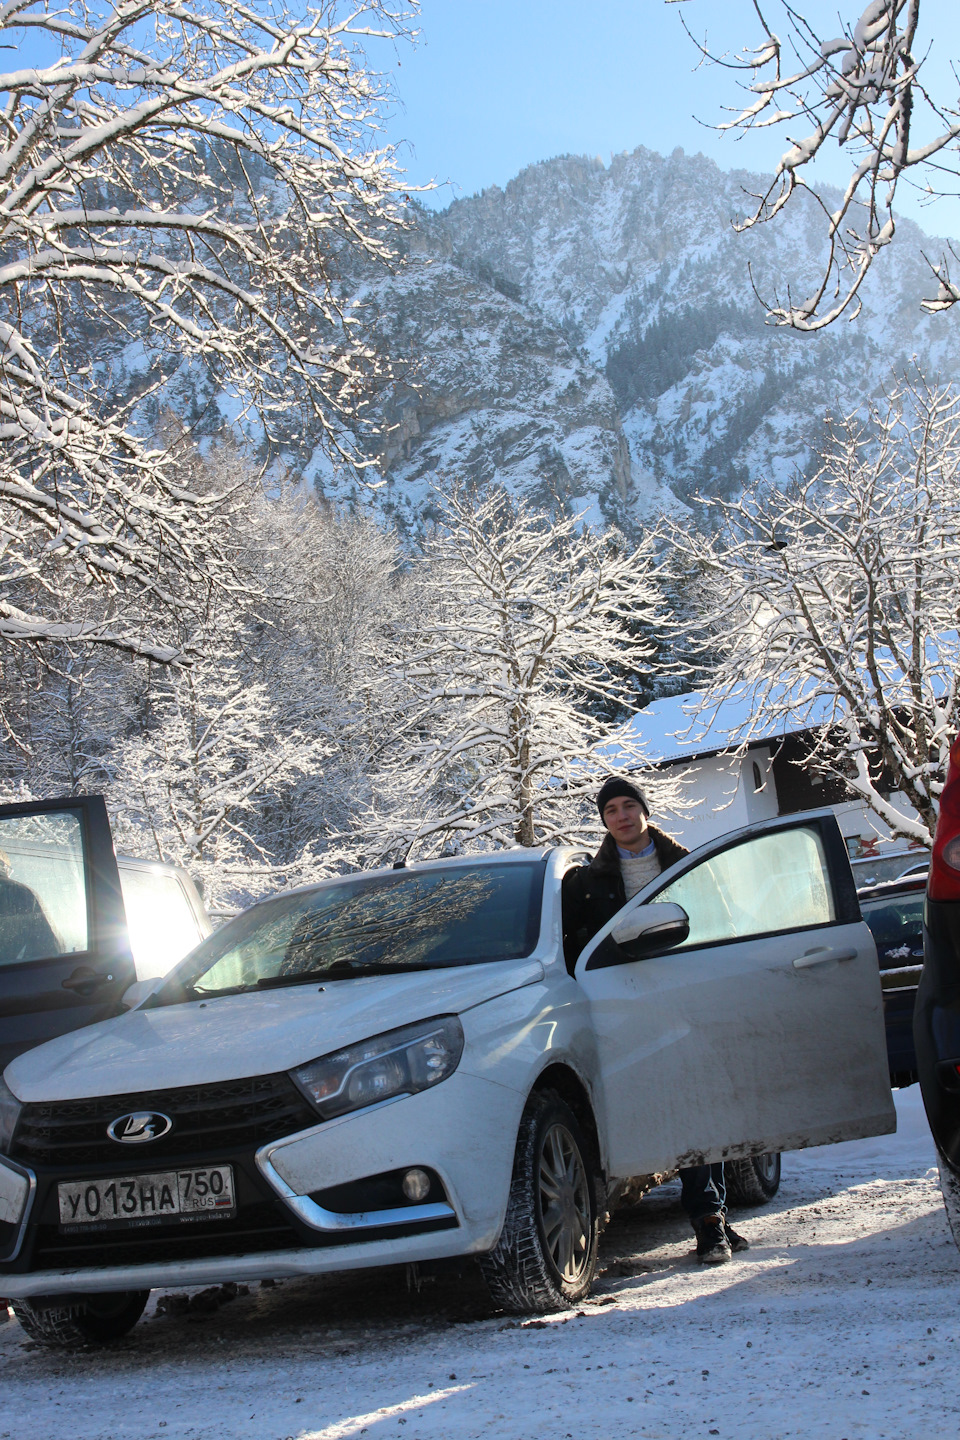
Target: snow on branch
{"x": 837, "y": 602}
{"x": 192, "y": 788}
{"x": 182, "y": 178}
{"x": 864, "y": 91}
{"x": 497, "y": 692}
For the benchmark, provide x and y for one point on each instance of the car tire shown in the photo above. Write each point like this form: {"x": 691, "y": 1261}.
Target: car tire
{"x": 93, "y": 1320}
{"x": 950, "y": 1190}
{"x": 753, "y": 1181}
{"x": 546, "y": 1257}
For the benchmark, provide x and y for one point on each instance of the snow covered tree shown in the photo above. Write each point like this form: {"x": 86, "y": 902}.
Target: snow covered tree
{"x": 71, "y": 710}
{"x": 837, "y": 603}
{"x": 864, "y": 90}
{"x": 191, "y": 788}
{"x": 491, "y": 731}
{"x": 333, "y": 587}
{"x": 179, "y": 179}
{"x": 279, "y": 674}
{"x": 63, "y": 707}
{"x": 327, "y": 575}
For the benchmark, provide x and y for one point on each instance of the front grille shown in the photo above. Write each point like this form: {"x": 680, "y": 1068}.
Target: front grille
{"x": 254, "y": 1228}
{"x": 206, "y": 1119}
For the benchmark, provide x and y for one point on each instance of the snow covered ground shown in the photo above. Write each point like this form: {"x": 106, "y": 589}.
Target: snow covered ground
{"x": 850, "y": 1289}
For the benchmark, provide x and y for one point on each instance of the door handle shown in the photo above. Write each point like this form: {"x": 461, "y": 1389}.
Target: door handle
{"x": 821, "y": 955}
{"x": 85, "y": 980}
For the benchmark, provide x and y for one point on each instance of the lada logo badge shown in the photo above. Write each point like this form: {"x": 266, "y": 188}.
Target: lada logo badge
{"x": 139, "y": 1127}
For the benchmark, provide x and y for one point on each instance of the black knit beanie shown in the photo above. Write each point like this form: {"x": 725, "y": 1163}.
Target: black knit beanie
{"x": 615, "y": 786}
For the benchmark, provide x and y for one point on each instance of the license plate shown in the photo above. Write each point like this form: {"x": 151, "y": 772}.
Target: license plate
{"x": 148, "y": 1199}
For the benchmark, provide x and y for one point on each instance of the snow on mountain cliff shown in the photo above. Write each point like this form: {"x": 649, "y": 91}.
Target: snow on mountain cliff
{"x": 491, "y": 394}
{"x": 589, "y": 338}
{"x": 591, "y": 333}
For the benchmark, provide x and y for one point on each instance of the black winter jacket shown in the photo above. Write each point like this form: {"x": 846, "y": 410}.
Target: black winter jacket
{"x": 592, "y": 894}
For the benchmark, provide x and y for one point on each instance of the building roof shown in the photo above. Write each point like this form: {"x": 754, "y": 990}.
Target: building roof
{"x": 698, "y": 724}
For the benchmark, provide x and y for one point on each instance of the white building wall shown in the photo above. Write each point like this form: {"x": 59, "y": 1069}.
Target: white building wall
{"x": 721, "y": 793}
{"x": 874, "y": 854}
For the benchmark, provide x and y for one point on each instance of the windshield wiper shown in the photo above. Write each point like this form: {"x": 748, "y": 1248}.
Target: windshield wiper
{"x": 186, "y": 994}
{"x": 302, "y": 977}
{"x": 339, "y": 970}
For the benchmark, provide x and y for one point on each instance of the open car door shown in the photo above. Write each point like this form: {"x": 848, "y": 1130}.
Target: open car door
{"x": 740, "y": 1010}
{"x": 64, "y": 954}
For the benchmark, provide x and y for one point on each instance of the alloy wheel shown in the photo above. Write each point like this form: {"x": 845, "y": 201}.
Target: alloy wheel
{"x": 766, "y": 1166}
{"x": 565, "y": 1203}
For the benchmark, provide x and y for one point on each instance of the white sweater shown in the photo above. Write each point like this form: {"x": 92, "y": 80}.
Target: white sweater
{"x": 638, "y": 870}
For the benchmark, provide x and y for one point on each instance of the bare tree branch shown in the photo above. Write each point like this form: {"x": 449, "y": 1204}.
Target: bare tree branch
{"x": 182, "y": 177}
{"x": 864, "y": 91}
{"x": 837, "y": 605}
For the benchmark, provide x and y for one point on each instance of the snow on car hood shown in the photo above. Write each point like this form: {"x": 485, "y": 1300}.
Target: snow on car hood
{"x": 239, "y": 1035}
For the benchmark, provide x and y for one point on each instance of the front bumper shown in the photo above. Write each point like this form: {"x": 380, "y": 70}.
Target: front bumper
{"x": 464, "y": 1131}
{"x": 271, "y": 1265}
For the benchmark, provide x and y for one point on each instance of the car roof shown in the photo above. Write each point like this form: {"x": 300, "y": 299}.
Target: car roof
{"x": 156, "y": 867}
{"x": 894, "y": 889}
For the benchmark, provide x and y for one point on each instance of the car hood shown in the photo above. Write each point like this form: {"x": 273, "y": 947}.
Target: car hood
{"x": 235, "y": 1036}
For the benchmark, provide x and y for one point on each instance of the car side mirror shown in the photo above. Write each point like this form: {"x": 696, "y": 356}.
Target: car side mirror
{"x": 654, "y": 927}
{"x": 139, "y": 991}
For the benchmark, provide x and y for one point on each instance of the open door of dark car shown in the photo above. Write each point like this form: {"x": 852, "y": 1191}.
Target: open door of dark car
{"x": 64, "y": 952}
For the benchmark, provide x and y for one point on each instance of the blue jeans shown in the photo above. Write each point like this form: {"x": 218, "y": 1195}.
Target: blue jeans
{"x": 704, "y": 1191}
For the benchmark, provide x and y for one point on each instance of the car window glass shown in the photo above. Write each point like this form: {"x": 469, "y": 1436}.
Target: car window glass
{"x": 432, "y": 919}
{"x": 43, "y": 897}
{"x": 897, "y": 928}
{"x": 160, "y": 921}
{"x": 767, "y": 883}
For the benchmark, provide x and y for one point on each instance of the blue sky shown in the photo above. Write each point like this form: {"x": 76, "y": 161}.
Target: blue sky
{"x": 494, "y": 85}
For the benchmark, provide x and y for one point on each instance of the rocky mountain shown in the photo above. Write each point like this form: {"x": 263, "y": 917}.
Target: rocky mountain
{"x": 590, "y": 334}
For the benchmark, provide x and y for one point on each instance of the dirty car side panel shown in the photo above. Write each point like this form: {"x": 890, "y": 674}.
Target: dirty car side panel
{"x": 747, "y": 1044}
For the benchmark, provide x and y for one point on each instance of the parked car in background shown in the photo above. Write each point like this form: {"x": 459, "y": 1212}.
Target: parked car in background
{"x": 886, "y": 864}
{"x": 936, "y": 1023}
{"x": 398, "y": 1066}
{"x": 165, "y": 913}
{"x": 894, "y": 912}
{"x": 78, "y": 925}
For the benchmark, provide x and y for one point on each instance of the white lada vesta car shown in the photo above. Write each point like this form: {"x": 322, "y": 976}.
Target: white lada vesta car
{"x": 399, "y": 1066}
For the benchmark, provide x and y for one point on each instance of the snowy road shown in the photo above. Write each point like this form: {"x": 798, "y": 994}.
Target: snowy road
{"x": 841, "y": 1321}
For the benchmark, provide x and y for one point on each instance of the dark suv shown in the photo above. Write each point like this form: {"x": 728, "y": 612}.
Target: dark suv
{"x": 894, "y": 912}
{"x": 78, "y": 925}
{"x": 936, "y": 1022}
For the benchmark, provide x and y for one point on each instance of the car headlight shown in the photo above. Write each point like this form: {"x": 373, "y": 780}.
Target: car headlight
{"x": 9, "y": 1114}
{"x": 401, "y": 1062}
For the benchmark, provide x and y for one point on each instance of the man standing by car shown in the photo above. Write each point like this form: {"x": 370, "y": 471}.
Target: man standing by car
{"x": 633, "y": 853}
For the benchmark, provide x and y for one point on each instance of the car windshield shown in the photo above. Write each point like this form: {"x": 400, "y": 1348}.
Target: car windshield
{"x": 376, "y": 925}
